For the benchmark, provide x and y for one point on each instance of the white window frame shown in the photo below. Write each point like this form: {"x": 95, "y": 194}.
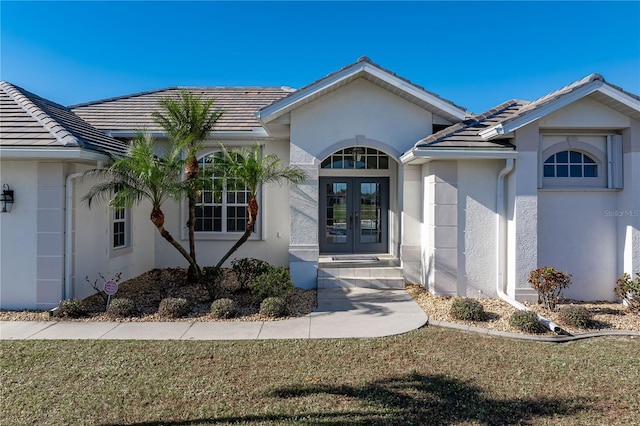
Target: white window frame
{"x": 224, "y": 234}
{"x": 126, "y": 221}
{"x": 605, "y": 161}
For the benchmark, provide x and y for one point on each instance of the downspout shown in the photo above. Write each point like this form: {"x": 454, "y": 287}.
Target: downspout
{"x": 501, "y": 257}
{"x": 68, "y": 244}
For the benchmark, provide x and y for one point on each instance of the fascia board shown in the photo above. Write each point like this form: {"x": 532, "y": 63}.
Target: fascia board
{"x": 456, "y": 154}
{"x": 257, "y": 133}
{"x": 273, "y": 111}
{"x": 538, "y": 113}
{"x": 619, "y": 96}
{"x": 21, "y": 153}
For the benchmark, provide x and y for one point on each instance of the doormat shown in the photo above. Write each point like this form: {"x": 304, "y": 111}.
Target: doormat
{"x": 355, "y": 259}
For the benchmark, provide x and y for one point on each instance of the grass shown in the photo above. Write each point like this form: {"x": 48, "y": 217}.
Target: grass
{"x": 429, "y": 376}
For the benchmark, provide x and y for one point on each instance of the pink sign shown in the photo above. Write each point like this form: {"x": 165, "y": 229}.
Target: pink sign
{"x": 111, "y": 287}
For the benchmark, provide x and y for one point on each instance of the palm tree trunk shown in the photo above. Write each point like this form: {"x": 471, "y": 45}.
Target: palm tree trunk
{"x": 252, "y": 209}
{"x": 194, "y": 271}
{"x": 157, "y": 217}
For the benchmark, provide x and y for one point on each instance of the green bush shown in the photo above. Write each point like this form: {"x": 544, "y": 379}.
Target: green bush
{"x": 121, "y": 307}
{"x": 549, "y": 282}
{"x": 629, "y": 291}
{"x": 275, "y": 282}
{"x": 577, "y": 316}
{"x": 527, "y": 321}
{"x": 71, "y": 308}
{"x": 274, "y": 307}
{"x": 223, "y": 308}
{"x": 247, "y": 269}
{"x": 173, "y": 307}
{"x": 211, "y": 277}
{"x": 467, "y": 309}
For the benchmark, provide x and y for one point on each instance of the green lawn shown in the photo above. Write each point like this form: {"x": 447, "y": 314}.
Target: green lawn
{"x": 429, "y": 376}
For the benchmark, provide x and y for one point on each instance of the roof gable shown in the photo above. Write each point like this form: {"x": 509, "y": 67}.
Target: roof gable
{"x": 593, "y": 86}
{"x": 363, "y": 68}
{"x": 29, "y": 120}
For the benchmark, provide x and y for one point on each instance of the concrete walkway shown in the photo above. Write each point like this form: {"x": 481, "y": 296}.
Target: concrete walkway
{"x": 340, "y": 313}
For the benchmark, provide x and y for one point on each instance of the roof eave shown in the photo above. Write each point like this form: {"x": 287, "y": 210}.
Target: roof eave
{"x": 420, "y": 155}
{"x": 280, "y": 107}
{"x": 58, "y": 153}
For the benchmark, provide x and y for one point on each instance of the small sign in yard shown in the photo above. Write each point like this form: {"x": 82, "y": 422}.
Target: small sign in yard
{"x": 111, "y": 288}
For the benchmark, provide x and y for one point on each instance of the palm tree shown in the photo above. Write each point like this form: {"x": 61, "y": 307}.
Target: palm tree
{"x": 188, "y": 121}
{"x": 246, "y": 167}
{"x": 141, "y": 175}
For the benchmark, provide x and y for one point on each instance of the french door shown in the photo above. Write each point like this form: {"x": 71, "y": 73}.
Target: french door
{"x": 354, "y": 214}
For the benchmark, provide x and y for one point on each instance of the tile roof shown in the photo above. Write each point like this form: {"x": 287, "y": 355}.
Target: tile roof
{"x": 29, "y": 120}
{"x": 466, "y": 133}
{"x": 133, "y": 112}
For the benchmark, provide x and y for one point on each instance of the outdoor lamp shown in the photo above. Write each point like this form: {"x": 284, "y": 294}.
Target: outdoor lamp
{"x": 6, "y": 198}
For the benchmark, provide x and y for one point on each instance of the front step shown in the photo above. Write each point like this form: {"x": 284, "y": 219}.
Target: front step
{"x": 381, "y": 274}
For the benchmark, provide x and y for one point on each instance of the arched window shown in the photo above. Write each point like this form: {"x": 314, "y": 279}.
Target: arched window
{"x": 223, "y": 207}
{"x": 357, "y": 157}
{"x": 570, "y": 164}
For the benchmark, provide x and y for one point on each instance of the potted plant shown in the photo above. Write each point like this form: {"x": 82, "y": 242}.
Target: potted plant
{"x": 629, "y": 291}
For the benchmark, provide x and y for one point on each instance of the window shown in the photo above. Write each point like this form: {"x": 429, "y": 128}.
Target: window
{"x": 572, "y": 164}
{"x": 222, "y": 208}
{"x": 120, "y": 229}
{"x": 357, "y": 157}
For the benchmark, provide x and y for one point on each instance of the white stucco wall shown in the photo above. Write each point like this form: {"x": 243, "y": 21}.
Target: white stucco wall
{"x": 271, "y": 244}
{"x": 18, "y": 242}
{"x": 92, "y": 253}
{"x": 585, "y": 113}
{"x": 578, "y": 236}
{"x": 477, "y": 191}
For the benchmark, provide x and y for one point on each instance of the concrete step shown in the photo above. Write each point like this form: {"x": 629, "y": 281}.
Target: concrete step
{"x": 360, "y": 276}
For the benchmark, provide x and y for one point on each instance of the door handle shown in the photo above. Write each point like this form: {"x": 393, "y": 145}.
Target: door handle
{"x": 357, "y": 220}
{"x": 351, "y": 220}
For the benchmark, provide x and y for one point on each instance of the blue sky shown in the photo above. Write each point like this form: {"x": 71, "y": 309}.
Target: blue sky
{"x": 477, "y": 54}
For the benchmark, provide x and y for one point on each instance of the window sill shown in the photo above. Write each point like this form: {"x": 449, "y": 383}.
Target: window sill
{"x": 578, "y": 189}
{"x": 213, "y": 236}
{"x": 120, "y": 251}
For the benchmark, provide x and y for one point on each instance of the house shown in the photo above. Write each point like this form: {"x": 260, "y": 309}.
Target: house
{"x": 463, "y": 204}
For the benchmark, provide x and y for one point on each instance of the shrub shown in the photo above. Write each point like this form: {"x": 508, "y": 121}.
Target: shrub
{"x": 467, "y": 309}
{"x": 275, "y": 282}
{"x": 577, "y": 316}
{"x": 121, "y": 307}
{"x": 223, "y": 308}
{"x": 71, "y": 308}
{"x": 629, "y": 290}
{"x": 274, "y": 307}
{"x": 210, "y": 278}
{"x": 173, "y": 307}
{"x": 247, "y": 269}
{"x": 527, "y": 321}
{"x": 549, "y": 283}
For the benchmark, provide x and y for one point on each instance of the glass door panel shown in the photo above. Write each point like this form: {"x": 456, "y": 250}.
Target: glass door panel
{"x": 336, "y": 213}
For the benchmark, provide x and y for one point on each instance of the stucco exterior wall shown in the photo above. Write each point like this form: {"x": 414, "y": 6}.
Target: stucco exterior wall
{"x": 271, "y": 243}
{"x": 585, "y": 113}
{"x": 18, "y": 242}
{"x": 577, "y": 235}
{"x": 477, "y": 191}
{"x": 92, "y": 252}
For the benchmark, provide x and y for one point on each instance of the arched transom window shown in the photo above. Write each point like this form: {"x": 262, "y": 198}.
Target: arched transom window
{"x": 571, "y": 164}
{"x": 357, "y": 157}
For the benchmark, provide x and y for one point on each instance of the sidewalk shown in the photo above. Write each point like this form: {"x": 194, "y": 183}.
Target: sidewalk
{"x": 340, "y": 313}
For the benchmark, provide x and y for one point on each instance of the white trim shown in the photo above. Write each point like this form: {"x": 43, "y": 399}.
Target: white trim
{"x": 255, "y": 133}
{"x": 428, "y": 154}
{"x": 8, "y": 153}
{"x": 542, "y": 111}
{"x": 562, "y": 101}
{"x": 280, "y": 107}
